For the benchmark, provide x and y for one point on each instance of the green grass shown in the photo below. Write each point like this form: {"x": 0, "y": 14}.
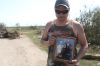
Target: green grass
{"x": 89, "y": 63}
{"x": 32, "y": 34}
{"x": 94, "y": 49}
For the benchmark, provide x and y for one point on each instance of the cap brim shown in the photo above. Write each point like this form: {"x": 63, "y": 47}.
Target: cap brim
{"x": 63, "y": 5}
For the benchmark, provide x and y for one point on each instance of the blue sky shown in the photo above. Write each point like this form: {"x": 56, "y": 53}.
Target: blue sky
{"x": 37, "y": 12}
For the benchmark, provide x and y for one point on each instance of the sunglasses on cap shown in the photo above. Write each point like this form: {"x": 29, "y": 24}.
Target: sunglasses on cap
{"x": 63, "y": 12}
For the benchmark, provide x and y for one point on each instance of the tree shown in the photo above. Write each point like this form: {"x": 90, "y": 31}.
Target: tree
{"x": 96, "y": 25}
{"x": 91, "y": 23}
{"x": 18, "y": 28}
{"x": 2, "y": 26}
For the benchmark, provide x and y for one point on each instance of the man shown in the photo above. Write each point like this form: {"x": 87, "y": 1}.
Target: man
{"x": 69, "y": 30}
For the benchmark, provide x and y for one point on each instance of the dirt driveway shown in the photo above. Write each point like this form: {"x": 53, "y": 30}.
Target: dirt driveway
{"x": 21, "y": 52}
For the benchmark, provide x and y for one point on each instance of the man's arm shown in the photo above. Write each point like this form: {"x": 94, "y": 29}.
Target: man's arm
{"x": 45, "y": 39}
{"x": 83, "y": 42}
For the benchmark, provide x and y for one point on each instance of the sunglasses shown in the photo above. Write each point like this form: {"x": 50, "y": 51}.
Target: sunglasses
{"x": 63, "y": 12}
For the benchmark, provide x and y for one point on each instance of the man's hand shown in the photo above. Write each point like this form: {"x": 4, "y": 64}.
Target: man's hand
{"x": 71, "y": 63}
{"x": 51, "y": 40}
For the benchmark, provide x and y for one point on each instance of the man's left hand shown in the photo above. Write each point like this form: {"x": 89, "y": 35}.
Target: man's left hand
{"x": 72, "y": 62}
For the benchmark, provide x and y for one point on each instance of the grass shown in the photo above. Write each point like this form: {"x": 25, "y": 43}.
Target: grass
{"x": 35, "y": 37}
{"x": 89, "y": 63}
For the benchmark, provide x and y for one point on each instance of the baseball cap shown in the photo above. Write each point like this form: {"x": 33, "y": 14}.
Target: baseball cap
{"x": 62, "y": 3}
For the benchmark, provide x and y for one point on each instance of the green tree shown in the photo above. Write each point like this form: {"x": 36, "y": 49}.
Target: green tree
{"x": 96, "y": 25}
{"x": 18, "y": 27}
{"x": 91, "y": 23}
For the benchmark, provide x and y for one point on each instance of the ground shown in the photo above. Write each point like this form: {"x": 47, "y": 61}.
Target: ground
{"x": 21, "y": 52}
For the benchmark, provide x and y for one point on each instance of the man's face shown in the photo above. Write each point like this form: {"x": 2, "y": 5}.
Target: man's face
{"x": 61, "y": 13}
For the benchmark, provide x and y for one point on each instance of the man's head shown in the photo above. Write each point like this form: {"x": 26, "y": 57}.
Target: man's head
{"x": 62, "y": 9}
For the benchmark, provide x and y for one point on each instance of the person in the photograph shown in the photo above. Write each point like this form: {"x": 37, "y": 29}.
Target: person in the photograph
{"x": 62, "y": 35}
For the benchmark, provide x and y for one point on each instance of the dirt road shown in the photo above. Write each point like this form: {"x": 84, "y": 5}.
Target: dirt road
{"x": 21, "y": 52}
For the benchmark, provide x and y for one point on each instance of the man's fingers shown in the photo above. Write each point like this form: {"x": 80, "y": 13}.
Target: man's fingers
{"x": 72, "y": 62}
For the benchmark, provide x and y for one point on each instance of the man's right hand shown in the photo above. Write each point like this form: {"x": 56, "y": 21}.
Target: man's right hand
{"x": 51, "y": 40}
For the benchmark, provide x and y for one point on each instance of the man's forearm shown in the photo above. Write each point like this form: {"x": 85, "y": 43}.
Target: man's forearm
{"x": 45, "y": 42}
{"x": 81, "y": 52}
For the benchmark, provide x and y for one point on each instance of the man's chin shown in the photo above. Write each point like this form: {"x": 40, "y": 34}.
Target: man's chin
{"x": 61, "y": 19}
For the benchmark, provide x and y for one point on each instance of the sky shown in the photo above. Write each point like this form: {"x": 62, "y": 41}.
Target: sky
{"x": 37, "y": 12}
